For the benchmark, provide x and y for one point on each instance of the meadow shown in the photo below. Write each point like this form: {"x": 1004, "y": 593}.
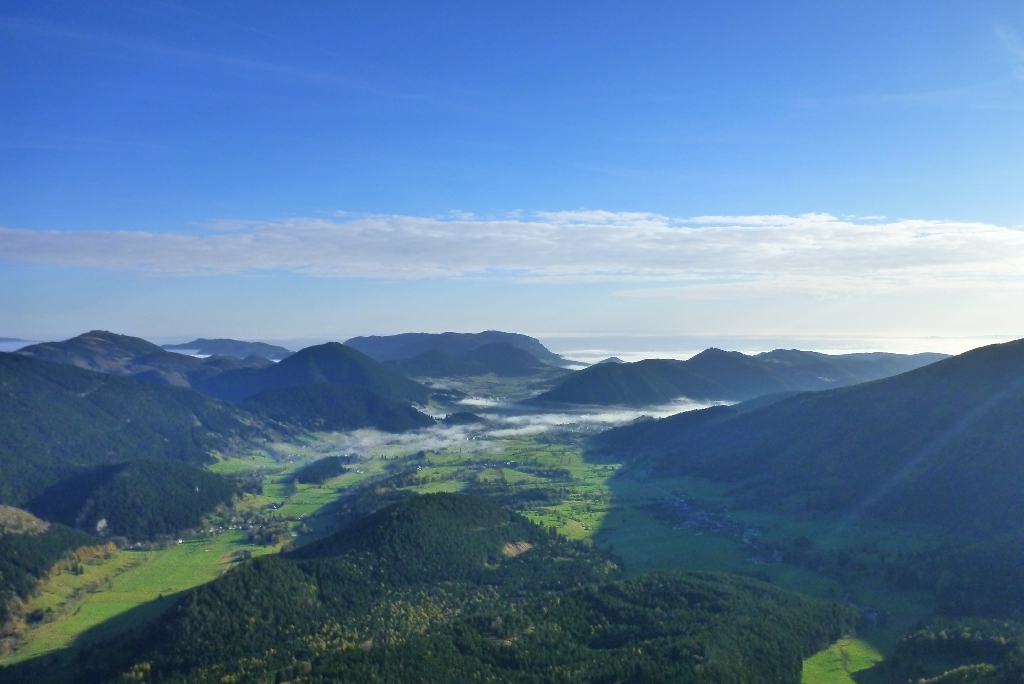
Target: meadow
{"x": 684, "y": 524}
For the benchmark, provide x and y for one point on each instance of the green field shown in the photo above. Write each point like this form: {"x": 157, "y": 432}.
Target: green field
{"x": 122, "y": 592}
{"x": 835, "y": 664}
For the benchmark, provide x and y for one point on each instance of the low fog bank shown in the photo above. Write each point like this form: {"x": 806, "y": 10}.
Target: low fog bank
{"x": 500, "y": 421}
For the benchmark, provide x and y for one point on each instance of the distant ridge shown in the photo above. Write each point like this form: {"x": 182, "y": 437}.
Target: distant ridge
{"x": 499, "y": 358}
{"x": 233, "y": 348}
{"x": 408, "y": 345}
{"x": 107, "y": 352}
{"x": 941, "y": 444}
{"x": 717, "y": 375}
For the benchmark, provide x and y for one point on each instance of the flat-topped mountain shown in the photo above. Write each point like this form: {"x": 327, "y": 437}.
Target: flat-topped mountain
{"x": 134, "y": 357}
{"x": 940, "y": 444}
{"x": 499, "y": 358}
{"x": 234, "y": 348}
{"x": 408, "y": 345}
{"x": 330, "y": 362}
{"x": 717, "y": 375}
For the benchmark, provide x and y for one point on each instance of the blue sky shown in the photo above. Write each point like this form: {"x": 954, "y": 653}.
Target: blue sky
{"x": 319, "y": 170}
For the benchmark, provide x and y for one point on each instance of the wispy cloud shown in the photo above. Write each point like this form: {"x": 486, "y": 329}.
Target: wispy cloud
{"x": 700, "y": 256}
{"x": 1014, "y": 47}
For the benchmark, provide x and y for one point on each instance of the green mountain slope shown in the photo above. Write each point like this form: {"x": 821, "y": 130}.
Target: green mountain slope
{"x": 456, "y": 589}
{"x": 716, "y": 375}
{"x": 330, "y": 406}
{"x": 331, "y": 362}
{"x": 941, "y": 444}
{"x": 408, "y": 345}
{"x": 108, "y": 352}
{"x": 139, "y": 499}
{"x": 56, "y": 420}
{"x": 233, "y": 348}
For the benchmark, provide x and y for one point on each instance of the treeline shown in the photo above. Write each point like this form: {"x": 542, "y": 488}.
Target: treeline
{"x": 456, "y": 589}
{"x": 26, "y": 558}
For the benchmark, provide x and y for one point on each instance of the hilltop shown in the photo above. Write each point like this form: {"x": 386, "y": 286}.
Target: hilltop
{"x": 330, "y": 362}
{"x": 408, "y": 345}
{"x": 448, "y": 587}
{"x": 233, "y": 348}
{"x": 940, "y": 444}
{"x": 717, "y": 375}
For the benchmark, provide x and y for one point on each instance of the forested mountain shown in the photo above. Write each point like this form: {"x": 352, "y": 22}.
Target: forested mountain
{"x": 941, "y": 444}
{"x": 233, "y": 348}
{"x": 58, "y": 420}
{"x": 716, "y": 375}
{"x": 408, "y": 345}
{"x": 107, "y": 352}
{"x": 456, "y": 589}
{"x": 330, "y": 406}
{"x": 331, "y": 362}
{"x": 499, "y": 358}
{"x": 140, "y": 499}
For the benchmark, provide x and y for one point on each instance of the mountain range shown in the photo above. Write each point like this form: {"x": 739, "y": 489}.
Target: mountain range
{"x": 942, "y": 444}
{"x": 717, "y": 375}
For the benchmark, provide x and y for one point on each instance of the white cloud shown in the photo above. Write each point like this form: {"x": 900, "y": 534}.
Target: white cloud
{"x": 703, "y": 256}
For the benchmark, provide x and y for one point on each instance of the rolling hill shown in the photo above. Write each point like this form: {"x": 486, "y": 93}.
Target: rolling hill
{"x": 716, "y": 375}
{"x": 941, "y": 444}
{"x": 408, "y": 345}
{"x": 446, "y": 587}
{"x": 57, "y": 420}
{"x": 331, "y": 362}
{"x": 233, "y": 348}
{"x": 107, "y": 352}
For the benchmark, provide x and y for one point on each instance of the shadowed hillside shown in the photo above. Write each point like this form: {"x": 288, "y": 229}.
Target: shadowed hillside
{"x": 943, "y": 443}
{"x": 330, "y": 406}
{"x": 56, "y": 420}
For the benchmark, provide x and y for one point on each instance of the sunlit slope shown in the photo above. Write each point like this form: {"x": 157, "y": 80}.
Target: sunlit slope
{"x": 454, "y": 588}
{"x": 331, "y": 362}
{"x": 56, "y": 420}
{"x": 943, "y": 444}
{"x": 717, "y": 375}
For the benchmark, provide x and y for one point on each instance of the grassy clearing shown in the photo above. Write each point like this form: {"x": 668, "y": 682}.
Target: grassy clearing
{"x": 123, "y": 591}
{"x": 838, "y": 662}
